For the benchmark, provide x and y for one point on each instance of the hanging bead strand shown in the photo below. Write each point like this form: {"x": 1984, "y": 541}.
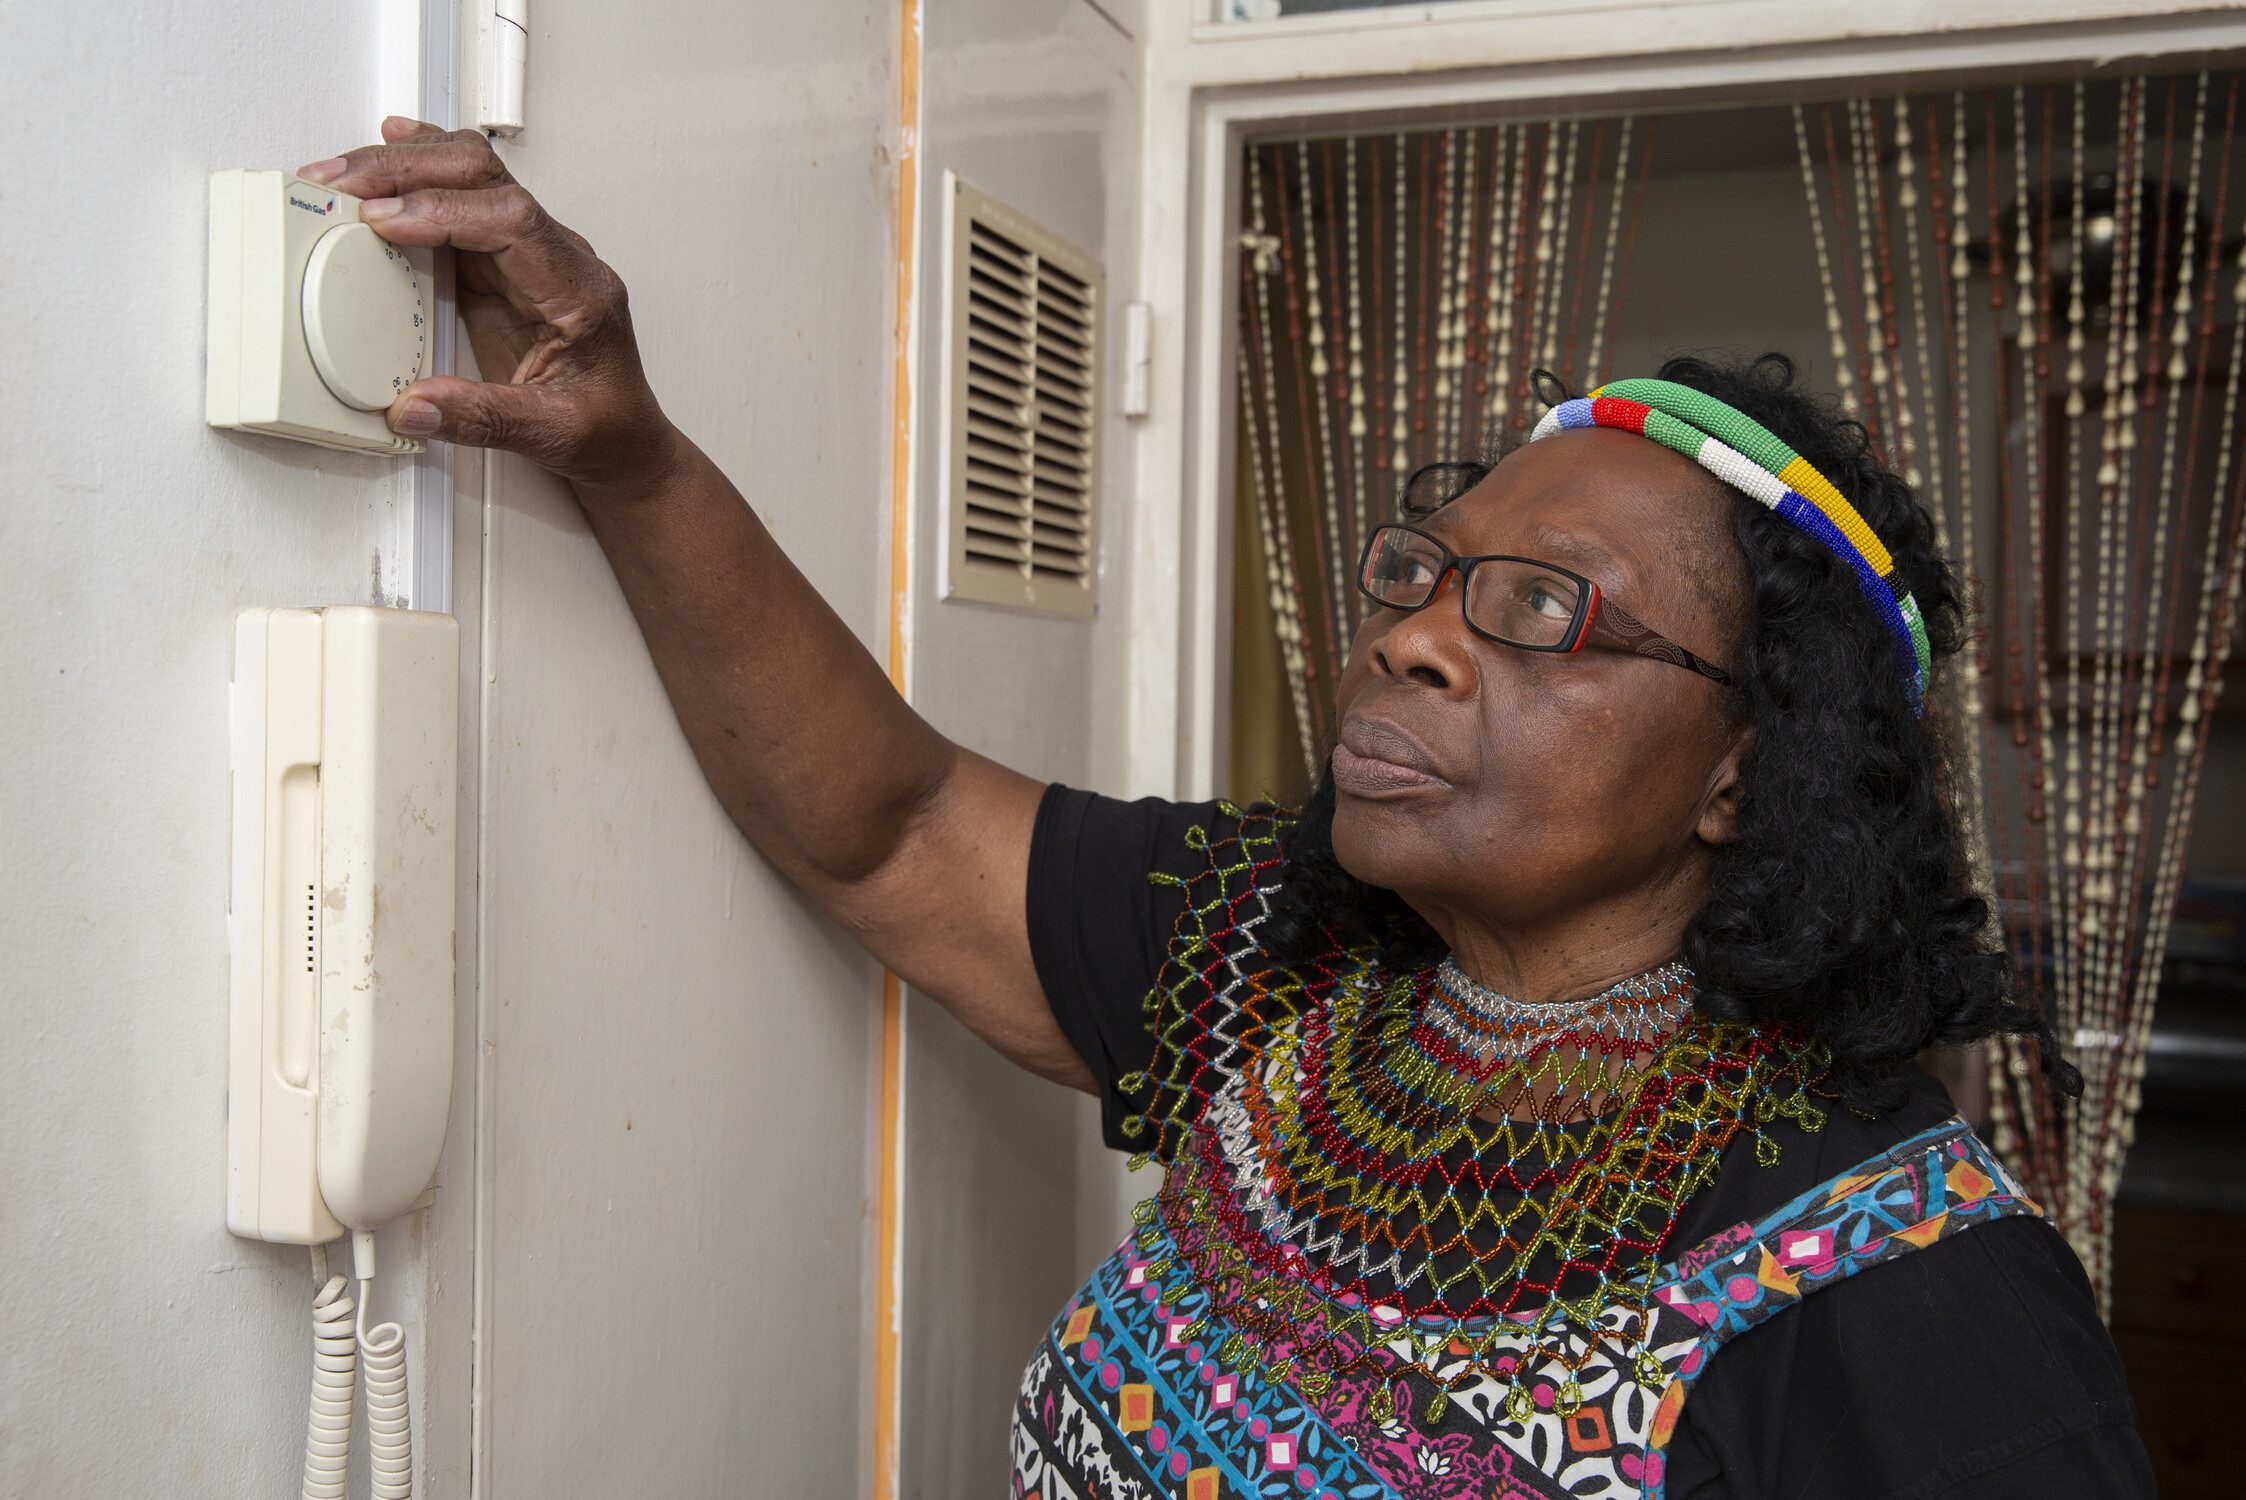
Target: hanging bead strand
{"x": 1877, "y": 296}
{"x": 1955, "y": 539}
{"x": 1436, "y": 288}
{"x": 1265, "y": 468}
{"x": 1637, "y": 216}
{"x": 2033, "y": 340}
{"x": 1433, "y": 197}
{"x": 1361, "y": 496}
{"x": 1594, "y": 364}
{"x": 1906, "y": 426}
{"x": 1328, "y": 498}
{"x": 1857, "y": 393}
{"x": 1505, "y": 296}
{"x": 1400, "y": 432}
{"x": 1490, "y": 279}
{"x": 1450, "y": 329}
{"x": 1555, "y": 278}
{"x": 1836, "y": 325}
{"x": 2140, "y": 395}
{"x": 1573, "y": 327}
{"x": 1928, "y": 476}
{"x": 2025, "y": 888}
{"x": 2007, "y": 1063}
{"x": 2067, "y": 876}
{"x": 2206, "y": 280}
{"x": 2134, "y": 1022}
{"x": 1464, "y": 326}
{"x": 1531, "y": 276}
{"x": 1309, "y": 406}
{"x": 2094, "y": 1033}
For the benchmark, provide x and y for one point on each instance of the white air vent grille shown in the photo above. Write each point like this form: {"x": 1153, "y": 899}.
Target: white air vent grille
{"x": 1021, "y": 325}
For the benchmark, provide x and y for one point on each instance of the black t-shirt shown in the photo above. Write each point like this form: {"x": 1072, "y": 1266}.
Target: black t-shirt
{"x": 1975, "y": 1367}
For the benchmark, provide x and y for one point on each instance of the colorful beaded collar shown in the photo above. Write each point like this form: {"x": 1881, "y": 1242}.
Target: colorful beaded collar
{"x": 1367, "y": 1166}
{"x": 1750, "y": 458}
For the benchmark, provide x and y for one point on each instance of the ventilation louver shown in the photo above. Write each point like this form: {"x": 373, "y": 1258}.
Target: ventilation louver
{"x": 1021, "y": 328}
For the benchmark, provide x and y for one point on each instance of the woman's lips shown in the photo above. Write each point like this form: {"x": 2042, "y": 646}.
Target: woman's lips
{"x": 1369, "y": 761}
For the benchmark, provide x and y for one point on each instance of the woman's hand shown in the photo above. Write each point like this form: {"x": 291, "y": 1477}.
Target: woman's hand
{"x": 546, "y": 316}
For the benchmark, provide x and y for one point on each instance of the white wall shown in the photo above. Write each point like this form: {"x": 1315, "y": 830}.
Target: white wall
{"x": 1009, "y": 1198}
{"x": 681, "y": 1074}
{"x": 681, "y": 1054}
{"x": 145, "y": 1350}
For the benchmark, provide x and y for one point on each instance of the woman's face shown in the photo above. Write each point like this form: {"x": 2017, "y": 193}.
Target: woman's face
{"x": 1549, "y": 784}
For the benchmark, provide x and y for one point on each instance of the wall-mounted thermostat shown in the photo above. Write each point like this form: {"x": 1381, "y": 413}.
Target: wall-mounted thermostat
{"x": 316, "y": 321}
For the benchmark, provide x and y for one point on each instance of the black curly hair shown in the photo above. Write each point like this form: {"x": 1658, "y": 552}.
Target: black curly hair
{"x": 1845, "y": 907}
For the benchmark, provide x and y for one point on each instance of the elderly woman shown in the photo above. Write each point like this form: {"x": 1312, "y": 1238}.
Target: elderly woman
{"x": 1538, "y": 1105}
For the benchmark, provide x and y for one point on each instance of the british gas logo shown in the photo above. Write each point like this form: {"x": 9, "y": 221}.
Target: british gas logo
{"x": 311, "y": 207}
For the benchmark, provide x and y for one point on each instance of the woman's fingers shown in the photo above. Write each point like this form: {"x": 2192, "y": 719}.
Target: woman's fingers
{"x": 459, "y": 159}
{"x": 404, "y": 128}
{"x": 540, "y": 267}
{"x": 533, "y": 420}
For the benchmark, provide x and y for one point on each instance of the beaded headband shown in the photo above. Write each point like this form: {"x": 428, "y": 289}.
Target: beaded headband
{"x": 1749, "y": 457}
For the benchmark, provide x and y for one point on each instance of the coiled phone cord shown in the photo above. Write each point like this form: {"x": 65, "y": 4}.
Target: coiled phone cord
{"x": 335, "y": 1366}
{"x": 341, "y": 1341}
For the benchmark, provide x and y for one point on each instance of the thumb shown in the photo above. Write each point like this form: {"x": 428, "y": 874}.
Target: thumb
{"x": 532, "y": 420}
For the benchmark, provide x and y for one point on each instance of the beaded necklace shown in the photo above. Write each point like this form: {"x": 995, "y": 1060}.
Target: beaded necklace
{"x": 1486, "y": 1027}
{"x": 1337, "y": 1185}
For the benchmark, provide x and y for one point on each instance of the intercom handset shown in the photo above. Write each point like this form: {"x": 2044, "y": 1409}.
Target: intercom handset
{"x": 341, "y": 921}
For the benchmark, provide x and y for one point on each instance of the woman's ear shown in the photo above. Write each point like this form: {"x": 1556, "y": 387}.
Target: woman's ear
{"x": 1719, "y": 810}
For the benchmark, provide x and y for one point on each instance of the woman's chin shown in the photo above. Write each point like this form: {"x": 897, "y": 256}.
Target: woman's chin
{"x": 1378, "y": 842}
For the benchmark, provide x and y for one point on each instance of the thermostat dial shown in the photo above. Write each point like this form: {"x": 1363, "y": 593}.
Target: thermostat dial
{"x": 365, "y": 318}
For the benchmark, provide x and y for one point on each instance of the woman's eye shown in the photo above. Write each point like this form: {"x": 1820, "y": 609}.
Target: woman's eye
{"x": 1408, "y": 571}
{"x": 1546, "y": 599}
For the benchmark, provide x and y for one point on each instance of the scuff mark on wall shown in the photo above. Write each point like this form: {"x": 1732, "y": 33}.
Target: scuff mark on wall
{"x": 381, "y": 594}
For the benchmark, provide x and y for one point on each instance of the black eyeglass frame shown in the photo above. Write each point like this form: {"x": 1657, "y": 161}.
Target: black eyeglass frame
{"x": 1595, "y": 614}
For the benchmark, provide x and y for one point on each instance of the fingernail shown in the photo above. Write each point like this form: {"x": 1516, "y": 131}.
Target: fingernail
{"x": 324, "y": 171}
{"x": 414, "y": 417}
{"x": 378, "y": 208}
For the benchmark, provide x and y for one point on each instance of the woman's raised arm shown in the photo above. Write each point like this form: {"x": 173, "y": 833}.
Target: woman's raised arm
{"x": 918, "y": 847}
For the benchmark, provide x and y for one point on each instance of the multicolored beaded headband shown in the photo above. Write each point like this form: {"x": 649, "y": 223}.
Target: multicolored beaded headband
{"x": 1746, "y": 455}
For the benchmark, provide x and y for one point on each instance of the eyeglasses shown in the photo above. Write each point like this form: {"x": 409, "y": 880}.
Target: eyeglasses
{"x": 1515, "y": 601}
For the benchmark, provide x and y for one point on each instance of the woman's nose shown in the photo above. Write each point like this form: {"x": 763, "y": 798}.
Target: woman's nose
{"x": 1431, "y": 645}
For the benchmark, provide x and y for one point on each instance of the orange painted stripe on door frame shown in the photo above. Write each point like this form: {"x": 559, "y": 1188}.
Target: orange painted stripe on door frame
{"x": 888, "y": 1242}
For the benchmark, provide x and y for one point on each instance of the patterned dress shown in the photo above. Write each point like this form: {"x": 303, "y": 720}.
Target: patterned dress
{"x": 1141, "y": 1387}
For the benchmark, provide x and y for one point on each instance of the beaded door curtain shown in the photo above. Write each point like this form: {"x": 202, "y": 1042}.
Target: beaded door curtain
{"x": 2024, "y": 298}
{"x": 2080, "y": 234}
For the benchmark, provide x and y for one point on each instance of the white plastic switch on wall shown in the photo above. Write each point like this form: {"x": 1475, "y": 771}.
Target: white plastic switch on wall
{"x": 316, "y": 321}
{"x": 495, "y": 43}
{"x": 340, "y": 914}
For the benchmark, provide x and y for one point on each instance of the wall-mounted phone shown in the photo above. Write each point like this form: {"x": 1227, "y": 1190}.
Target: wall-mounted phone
{"x": 345, "y": 775}
{"x": 341, "y": 923}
